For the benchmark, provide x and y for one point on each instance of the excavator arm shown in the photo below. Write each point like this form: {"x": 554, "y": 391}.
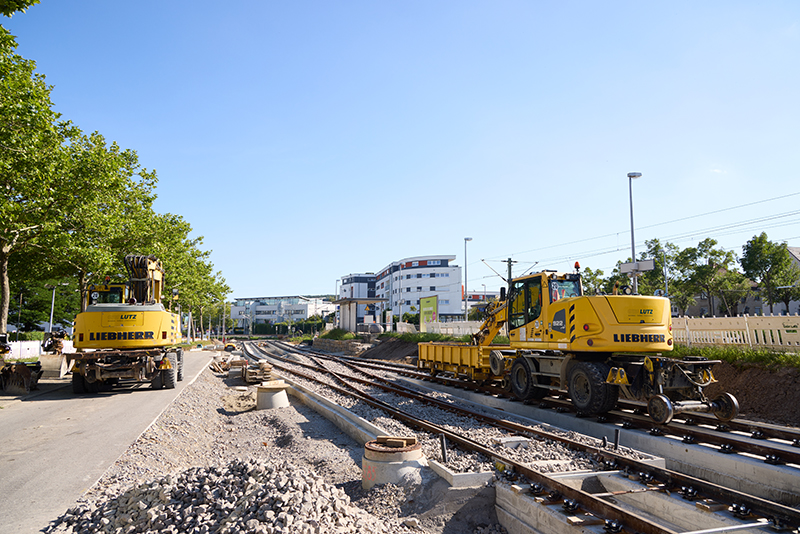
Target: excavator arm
{"x": 496, "y": 315}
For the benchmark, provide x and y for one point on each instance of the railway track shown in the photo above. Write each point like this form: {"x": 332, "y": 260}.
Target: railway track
{"x": 364, "y": 378}
{"x": 773, "y": 444}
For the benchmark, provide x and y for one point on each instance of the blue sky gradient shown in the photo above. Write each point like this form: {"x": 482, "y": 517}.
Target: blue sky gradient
{"x": 309, "y": 140}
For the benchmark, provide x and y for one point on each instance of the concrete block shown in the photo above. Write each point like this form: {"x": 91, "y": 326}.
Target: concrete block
{"x": 460, "y": 480}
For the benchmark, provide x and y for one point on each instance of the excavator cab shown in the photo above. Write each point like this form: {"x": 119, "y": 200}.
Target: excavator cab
{"x": 107, "y": 294}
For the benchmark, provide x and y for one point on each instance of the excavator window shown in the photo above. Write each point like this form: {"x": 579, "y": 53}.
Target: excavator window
{"x": 560, "y": 289}
{"x": 516, "y": 316}
{"x": 526, "y": 304}
{"x": 106, "y": 295}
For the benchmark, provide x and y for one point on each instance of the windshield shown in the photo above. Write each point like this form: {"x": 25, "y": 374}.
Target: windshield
{"x": 560, "y": 289}
{"x": 112, "y": 295}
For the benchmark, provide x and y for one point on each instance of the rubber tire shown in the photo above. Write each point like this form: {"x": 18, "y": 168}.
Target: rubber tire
{"x": 497, "y": 363}
{"x": 180, "y": 365}
{"x": 588, "y": 389}
{"x": 158, "y": 380}
{"x": 523, "y": 383}
{"x": 78, "y": 384}
{"x": 93, "y": 387}
{"x": 170, "y": 375}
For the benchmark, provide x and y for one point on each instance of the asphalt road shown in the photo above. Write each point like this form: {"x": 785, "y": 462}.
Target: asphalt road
{"x": 56, "y": 445}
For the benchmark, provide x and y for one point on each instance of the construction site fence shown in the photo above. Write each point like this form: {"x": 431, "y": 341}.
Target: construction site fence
{"x": 455, "y": 329}
{"x": 774, "y": 332}
{"x": 23, "y": 350}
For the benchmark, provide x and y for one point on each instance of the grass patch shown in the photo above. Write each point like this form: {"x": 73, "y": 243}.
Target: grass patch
{"x": 338, "y": 334}
{"x": 740, "y": 356}
{"x": 437, "y": 338}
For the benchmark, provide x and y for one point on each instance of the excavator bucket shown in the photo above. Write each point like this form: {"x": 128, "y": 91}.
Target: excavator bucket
{"x": 19, "y": 378}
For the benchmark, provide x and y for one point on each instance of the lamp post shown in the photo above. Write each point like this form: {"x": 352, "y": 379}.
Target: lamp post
{"x": 466, "y": 302}
{"x": 53, "y": 305}
{"x": 631, "y": 177}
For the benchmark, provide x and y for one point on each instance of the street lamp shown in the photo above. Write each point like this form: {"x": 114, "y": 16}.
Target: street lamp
{"x": 53, "y": 305}
{"x": 631, "y": 176}
{"x": 466, "y": 303}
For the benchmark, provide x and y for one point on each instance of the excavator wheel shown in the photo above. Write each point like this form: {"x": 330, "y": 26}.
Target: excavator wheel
{"x": 523, "y": 383}
{"x": 158, "y": 380}
{"x": 169, "y": 376}
{"x": 497, "y": 363}
{"x": 180, "y": 365}
{"x": 588, "y": 389}
{"x": 78, "y": 384}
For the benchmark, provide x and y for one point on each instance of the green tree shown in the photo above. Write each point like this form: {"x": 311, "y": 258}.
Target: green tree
{"x": 35, "y": 192}
{"x": 787, "y": 285}
{"x": 766, "y": 263}
{"x": 9, "y": 7}
{"x": 704, "y": 269}
{"x": 592, "y": 281}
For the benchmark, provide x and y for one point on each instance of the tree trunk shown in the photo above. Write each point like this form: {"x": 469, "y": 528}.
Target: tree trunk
{"x": 5, "y": 288}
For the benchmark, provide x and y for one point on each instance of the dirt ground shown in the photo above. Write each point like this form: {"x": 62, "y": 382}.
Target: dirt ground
{"x": 770, "y": 395}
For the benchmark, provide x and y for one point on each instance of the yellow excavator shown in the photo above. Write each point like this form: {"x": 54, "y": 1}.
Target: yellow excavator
{"x": 596, "y": 347}
{"x": 126, "y": 334}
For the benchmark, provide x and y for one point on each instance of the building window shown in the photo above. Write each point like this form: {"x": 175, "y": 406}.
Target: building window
{"x": 419, "y": 275}
{"x": 408, "y": 289}
{"x": 444, "y": 302}
{"x": 408, "y": 277}
{"x": 433, "y": 288}
{"x": 408, "y": 303}
{"x": 434, "y": 262}
{"x": 419, "y": 288}
{"x": 415, "y": 264}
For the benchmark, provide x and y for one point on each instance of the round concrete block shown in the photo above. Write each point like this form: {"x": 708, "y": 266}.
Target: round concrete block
{"x": 269, "y": 397}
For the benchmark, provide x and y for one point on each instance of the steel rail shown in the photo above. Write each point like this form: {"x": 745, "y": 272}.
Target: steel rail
{"x": 588, "y": 501}
{"x": 774, "y": 453}
{"x": 780, "y": 514}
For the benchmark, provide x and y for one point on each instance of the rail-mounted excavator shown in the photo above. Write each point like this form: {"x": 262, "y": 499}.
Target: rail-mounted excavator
{"x": 596, "y": 347}
{"x": 126, "y": 334}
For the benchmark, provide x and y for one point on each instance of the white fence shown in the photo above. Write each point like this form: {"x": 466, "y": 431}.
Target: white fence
{"x": 456, "y": 329}
{"x": 21, "y": 350}
{"x": 779, "y": 332}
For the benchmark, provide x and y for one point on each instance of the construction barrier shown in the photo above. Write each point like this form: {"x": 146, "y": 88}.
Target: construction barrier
{"x": 781, "y": 332}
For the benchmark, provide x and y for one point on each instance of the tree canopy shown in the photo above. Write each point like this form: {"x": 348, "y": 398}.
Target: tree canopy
{"x": 74, "y": 205}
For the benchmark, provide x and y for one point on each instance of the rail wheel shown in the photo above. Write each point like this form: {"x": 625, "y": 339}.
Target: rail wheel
{"x": 523, "y": 383}
{"x": 169, "y": 375}
{"x": 505, "y": 384}
{"x": 78, "y": 384}
{"x": 588, "y": 389}
{"x": 727, "y": 407}
{"x": 660, "y": 409}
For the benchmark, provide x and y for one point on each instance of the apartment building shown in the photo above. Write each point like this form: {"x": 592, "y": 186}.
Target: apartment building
{"x": 404, "y": 282}
{"x": 246, "y": 311}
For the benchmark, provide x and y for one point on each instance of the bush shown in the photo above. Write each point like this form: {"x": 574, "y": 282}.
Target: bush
{"x": 26, "y": 336}
{"x": 739, "y": 356}
{"x": 338, "y": 334}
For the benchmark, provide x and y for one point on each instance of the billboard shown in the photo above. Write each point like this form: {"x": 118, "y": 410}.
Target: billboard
{"x": 428, "y": 311}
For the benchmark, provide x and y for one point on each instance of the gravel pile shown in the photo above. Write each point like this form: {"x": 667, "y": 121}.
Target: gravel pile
{"x": 244, "y": 496}
{"x": 214, "y": 431}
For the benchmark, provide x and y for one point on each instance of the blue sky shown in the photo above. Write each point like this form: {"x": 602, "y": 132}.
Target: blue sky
{"x": 309, "y": 140}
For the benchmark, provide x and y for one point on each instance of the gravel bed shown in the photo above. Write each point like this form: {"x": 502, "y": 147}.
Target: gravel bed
{"x": 212, "y": 463}
{"x": 543, "y": 455}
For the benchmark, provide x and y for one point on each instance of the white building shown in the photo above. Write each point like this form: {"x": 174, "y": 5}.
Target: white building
{"x": 403, "y": 283}
{"x": 246, "y": 311}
